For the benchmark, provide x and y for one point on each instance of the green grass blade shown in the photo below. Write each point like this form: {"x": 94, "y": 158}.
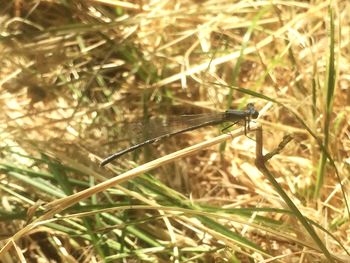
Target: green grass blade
{"x": 244, "y": 45}
{"x": 330, "y": 88}
{"x": 304, "y": 125}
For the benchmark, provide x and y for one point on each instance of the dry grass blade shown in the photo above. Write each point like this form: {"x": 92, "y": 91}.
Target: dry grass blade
{"x": 59, "y": 205}
{"x": 72, "y": 71}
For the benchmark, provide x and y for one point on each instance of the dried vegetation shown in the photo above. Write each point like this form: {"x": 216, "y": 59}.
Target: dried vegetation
{"x": 71, "y": 72}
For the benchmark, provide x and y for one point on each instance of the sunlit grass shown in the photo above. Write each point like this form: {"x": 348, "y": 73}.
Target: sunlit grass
{"x": 73, "y": 71}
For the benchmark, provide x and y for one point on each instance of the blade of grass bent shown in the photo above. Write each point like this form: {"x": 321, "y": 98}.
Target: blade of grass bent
{"x": 301, "y": 121}
{"x": 63, "y": 203}
{"x": 260, "y": 163}
{"x": 170, "y": 194}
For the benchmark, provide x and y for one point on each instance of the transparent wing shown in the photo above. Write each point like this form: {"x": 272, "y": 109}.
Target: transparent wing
{"x": 138, "y": 131}
{"x": 158, "y": 126}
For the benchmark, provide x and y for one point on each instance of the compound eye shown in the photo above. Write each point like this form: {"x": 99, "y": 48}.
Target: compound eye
{"x": 253, "y": 113}
{"x": 250, "y": 106}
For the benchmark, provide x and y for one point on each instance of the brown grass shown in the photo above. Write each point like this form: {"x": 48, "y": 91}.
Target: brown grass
{"x": 70, "y": 74}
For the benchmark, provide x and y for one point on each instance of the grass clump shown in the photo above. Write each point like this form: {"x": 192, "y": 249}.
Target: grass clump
{"x": 72, "y": 72}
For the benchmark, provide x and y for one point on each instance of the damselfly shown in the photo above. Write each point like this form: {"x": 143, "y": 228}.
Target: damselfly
{"x": 193, "y": 123}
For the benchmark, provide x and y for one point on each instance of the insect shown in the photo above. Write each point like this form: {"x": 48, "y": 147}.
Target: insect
{"x": 193, "y": 122}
